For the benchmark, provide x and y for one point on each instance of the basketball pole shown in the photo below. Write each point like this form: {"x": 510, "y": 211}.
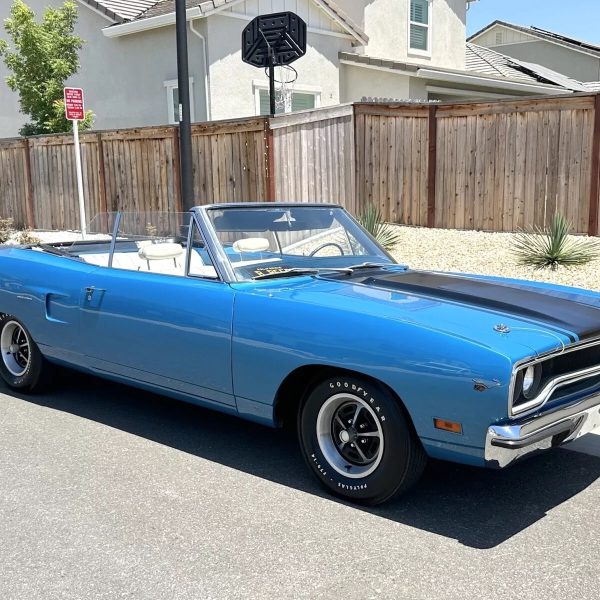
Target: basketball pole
{"x": 272, "y": 79}
{"x": 185, "y": 126}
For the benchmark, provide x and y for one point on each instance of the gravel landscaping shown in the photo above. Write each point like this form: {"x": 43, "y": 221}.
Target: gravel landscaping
{"x": 456, "y": 251}
{"x": 483, "y": 253}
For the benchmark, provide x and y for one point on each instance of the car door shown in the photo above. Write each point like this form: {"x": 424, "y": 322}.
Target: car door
{"x": 169, "y": 331}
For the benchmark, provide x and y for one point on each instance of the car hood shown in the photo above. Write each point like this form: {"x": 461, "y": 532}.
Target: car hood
{"x": 517, "y": 318}
{"x": 570, "y": 312}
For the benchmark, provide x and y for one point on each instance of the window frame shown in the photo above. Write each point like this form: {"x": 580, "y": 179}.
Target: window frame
{"x": 171, "y": 85}
{"x": 428, "y": 26}
{"x": 259, "y": 84}
{"x": 195, "y": 227}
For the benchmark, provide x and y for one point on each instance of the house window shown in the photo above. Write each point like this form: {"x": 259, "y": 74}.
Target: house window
{"x": 173, "y": 100}
{"x": 297, "y": 100}
{"x": 420, "y": 26}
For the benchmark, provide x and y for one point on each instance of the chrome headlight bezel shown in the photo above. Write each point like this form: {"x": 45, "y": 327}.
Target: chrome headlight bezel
{"x": 523, "y": 396}
{"x": 530, "y": 381}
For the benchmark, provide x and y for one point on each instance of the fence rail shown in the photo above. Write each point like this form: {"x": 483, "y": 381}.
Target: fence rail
{"x": 498, "y": 166}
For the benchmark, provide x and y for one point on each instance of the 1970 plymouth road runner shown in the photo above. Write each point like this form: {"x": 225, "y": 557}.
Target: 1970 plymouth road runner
{"x": 293, "y": 313}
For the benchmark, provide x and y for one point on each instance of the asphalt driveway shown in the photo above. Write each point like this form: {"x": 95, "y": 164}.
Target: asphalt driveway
{"x": 109, "y": 492}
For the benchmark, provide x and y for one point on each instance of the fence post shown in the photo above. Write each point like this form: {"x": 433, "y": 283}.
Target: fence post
{"x": 29, "y": 209}
{"x": 431, "y": 166}
{"x": 177, "y": 171}
{"x": 270, "y": 162}
{"x": 594, "y": 188}
{"x": 101, "y": 175}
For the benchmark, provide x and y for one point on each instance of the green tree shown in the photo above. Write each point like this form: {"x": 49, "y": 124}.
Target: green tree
{"x": 43, "y": 57}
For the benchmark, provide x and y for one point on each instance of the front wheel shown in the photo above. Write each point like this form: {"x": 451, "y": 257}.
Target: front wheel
{"x": 358, "y": 442}
{"x": 22, "y": 367}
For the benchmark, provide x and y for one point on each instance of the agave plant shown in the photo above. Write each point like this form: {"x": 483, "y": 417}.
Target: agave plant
{"x": 551, "y": 247}
{"x": 372, "y": 220}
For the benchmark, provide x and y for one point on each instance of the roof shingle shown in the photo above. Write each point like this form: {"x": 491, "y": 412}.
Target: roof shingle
{"x": 122, "y": 10}
{"x": 486, "y": 60}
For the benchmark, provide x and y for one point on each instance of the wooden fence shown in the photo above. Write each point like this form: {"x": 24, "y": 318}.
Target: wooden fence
{"x": 313, "y": 156}
{"x": 496, "y": 166}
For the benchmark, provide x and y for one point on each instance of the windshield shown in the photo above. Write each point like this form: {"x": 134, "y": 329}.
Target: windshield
{"x": 264, "y": 242}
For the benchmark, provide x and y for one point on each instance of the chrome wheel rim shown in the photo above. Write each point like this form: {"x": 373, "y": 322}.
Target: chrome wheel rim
{"x": 15, "y": 348}
{"x": 350, "y": 436}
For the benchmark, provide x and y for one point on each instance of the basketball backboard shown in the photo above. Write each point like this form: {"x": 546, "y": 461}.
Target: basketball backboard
{"x": 283, "y": 34}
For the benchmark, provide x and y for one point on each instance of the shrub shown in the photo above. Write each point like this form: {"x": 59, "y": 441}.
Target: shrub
{"x": 551, "y": 247}
{"x": 6, "y": 229}
{"x": 27, "y": 238}
{"x": 372, "y": 220}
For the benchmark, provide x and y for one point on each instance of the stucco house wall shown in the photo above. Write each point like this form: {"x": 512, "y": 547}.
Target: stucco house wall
{"x": 358, "y": 83}
{"x": 386, "y": 22}
{"x": 122, "y": 78}
{"x": 575, "y": 63}
{"x": 232, "y": 81}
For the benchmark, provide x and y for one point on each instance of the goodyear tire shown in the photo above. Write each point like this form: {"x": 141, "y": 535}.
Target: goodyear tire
{"x": 357, "y": 440}
{"x": 22, "y": 367}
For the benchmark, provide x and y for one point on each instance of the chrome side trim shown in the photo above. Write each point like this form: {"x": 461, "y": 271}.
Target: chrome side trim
{"x": 215, "y": 250}
{"x": 556, "y": 352}
{"x": 505, "y": 444}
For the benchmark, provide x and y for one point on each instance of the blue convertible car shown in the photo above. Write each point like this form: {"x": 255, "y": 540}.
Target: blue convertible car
{"x": 292, "y": 313}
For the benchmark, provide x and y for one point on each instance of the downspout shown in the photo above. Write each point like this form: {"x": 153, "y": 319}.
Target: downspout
{"x": 206, "y": 75}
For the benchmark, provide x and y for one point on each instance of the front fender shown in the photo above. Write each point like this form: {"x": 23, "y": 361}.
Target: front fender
{"x": 433, "y": 372}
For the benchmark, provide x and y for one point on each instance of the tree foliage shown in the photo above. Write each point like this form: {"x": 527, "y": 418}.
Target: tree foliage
{"x": 44, "y": 55}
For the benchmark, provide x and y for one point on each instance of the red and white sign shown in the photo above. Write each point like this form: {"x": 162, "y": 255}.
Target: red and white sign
{"x": 74, "y": 109}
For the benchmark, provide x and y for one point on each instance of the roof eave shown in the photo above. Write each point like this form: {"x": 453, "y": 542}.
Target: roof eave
{"x": 484, "y": 80}
{"x": 140, "y": 25}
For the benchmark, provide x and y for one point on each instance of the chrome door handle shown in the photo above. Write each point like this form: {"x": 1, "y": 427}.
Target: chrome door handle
{"x": 89, "y": 292}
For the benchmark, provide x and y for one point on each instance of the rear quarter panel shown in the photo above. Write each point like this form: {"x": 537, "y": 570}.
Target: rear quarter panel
{"x": 44, "y": 292}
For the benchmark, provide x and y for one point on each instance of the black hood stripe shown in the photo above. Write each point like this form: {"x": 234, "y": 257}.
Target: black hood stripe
{"x": 539, "y": 305}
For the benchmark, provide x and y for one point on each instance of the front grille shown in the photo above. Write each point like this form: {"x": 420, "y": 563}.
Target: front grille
{"x": 556, "y": 370}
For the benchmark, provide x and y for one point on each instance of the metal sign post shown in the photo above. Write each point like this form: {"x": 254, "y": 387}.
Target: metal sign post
{"x": 75, "y": 111}
{"x": 274, "y": 40}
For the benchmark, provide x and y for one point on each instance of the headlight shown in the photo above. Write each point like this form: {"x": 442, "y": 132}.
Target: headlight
{"x": 531, "y": 381}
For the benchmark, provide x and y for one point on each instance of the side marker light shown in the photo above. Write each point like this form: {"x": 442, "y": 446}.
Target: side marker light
{"x": 450, "y": 426}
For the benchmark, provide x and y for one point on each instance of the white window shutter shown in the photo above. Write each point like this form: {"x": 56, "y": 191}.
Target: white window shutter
{"x": 419, "y": 11}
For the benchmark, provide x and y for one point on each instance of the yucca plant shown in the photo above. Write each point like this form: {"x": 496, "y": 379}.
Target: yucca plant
{"x": 551, "y": 247}
{"x": 372, "y": 220}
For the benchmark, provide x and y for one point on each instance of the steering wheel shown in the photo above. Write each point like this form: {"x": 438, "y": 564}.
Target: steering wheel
{"x": 319, "y": 248}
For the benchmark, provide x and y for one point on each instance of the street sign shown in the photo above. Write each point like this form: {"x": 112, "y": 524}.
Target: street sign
{"x": 74, "y": 109}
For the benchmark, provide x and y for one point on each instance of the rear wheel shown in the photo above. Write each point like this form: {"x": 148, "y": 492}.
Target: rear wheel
{"x": 22, "y": 366}
{"x": 358, "y": 442}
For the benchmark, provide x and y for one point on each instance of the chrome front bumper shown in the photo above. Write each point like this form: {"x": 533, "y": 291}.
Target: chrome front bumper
{"x": 505, "y": 444}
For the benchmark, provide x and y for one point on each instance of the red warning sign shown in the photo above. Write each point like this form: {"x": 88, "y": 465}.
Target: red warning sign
{"x": 74, "y": 109}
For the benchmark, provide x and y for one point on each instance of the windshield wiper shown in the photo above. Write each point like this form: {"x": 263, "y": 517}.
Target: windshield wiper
{"x": 54, "y": 250}
{"x": 368, "y": 265}
{"x": 299, "y": 271}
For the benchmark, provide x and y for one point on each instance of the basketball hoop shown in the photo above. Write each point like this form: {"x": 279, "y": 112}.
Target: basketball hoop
{"x": 285, "y": 79}
{"x": 273, "y": 42}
